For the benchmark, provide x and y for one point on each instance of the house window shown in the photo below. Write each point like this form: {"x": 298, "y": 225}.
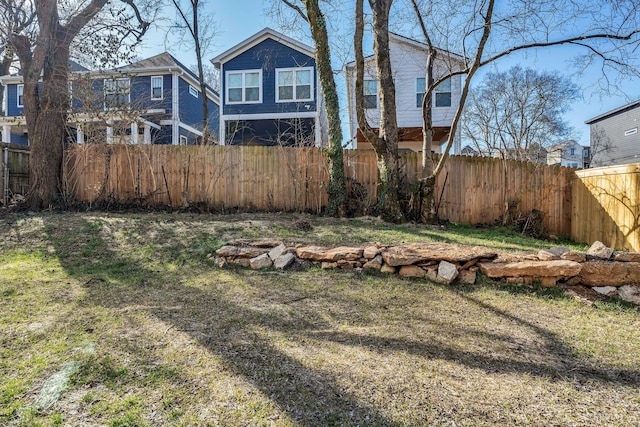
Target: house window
{"x": 116, "y": 92}
{"x": 193, "y": 91}
{"x": 420, "y": 89}
{"x": 294, "y": 84}
{"x": 370, "y": 94}
{"x": 244, "y": 86}
{"x": 572, "y": 152}
{"x": 156, "y": 87}
{"x": 585, "y": 152}
{"x": 183, "y": 140}
{"x": 20, "y": 95}
{"x": 443, "y": 94}
{"x": 630, "y": 132}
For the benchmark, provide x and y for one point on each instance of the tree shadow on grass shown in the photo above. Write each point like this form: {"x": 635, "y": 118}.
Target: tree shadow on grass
{"x": 229, "y": 329}
{"x": 549, "y": 358}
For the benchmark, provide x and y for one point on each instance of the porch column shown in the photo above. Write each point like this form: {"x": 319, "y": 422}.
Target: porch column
{"x": 147, "y": 134}
{"x": 79, "y": 135}
{"x": 222, "y": 136}
{"x": 134, "y": 133}
{"x": 318, "y": 132}
{"x": 109, "y": 133}
{"x": 6, "y": 133}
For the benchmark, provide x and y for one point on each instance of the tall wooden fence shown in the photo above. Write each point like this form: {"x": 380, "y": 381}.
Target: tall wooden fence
{"x": 470, "y": 190}
{"x": 606, "y": 206}
{"x": 14, "y": 176}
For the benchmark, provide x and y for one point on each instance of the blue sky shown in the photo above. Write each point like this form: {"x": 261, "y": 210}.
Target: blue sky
{"x": 240, "y": 19}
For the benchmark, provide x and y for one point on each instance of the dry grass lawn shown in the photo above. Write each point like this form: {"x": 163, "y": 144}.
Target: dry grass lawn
{"x": 121, "y": 320}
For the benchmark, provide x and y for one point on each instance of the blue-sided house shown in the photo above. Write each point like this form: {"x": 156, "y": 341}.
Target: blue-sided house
{"x": 270, "y": 93}
{"x": 155, "y": 100}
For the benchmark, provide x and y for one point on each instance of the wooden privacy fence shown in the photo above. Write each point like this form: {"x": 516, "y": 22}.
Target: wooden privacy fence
{"x": 220, "y": 177}
{"x": 606, "y": 206}
{"x": 14, "y": 176}
{"x": 470, "y": 190}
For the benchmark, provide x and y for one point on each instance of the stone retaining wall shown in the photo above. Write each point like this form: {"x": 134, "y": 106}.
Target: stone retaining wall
{"x": 599, "y": 273}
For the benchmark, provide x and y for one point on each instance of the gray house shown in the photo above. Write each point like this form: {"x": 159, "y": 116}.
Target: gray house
{"x": 615, "y": 138}
{"x": 568, "y": 153}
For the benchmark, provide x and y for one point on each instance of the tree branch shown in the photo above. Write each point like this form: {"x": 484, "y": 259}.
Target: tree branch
{"x": 296, "y": 8}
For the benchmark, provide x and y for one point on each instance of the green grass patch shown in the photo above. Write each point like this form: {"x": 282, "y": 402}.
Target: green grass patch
{"x": 163, "y": 338}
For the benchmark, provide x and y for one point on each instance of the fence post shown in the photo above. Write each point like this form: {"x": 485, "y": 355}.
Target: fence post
{"x": 5, "y": 175}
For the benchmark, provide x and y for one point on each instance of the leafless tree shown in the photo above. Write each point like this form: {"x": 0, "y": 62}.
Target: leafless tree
{"x": 518, "y": 113}
{"x": 600, "y": 145}
{"x": 385, "y": 142}
{"x": 196, "y": 28}
{"x": 606, "y": 33}
{"x": 44, "y": 59}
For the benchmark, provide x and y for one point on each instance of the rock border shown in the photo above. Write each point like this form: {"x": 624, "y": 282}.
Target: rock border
{"x": 599, "y": 273}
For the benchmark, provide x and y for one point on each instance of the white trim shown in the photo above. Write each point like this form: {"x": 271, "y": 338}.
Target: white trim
{"x": 295, "y": 70}
{"x": 267, "y": 116}
{"x": 147, "y": 134}
{"x": 181, "y": 125}
{"x": 183, "y": 138}
{"x": 194, "y": 92}
{"x": 190, "y": 129}
{"x": 148, "y": 123}
{"x": 630, "y": 132}
{"x": 256, "y": 39}
{"x": 18, "y": 87}
{"x": 6, "y": 133}
{"x": 5, "y": 99}
{"x": 243, "y": 87}
{"x": 134, "y": 132}
{"x": 175, "y": 108}
{"x": 161, "y": 88}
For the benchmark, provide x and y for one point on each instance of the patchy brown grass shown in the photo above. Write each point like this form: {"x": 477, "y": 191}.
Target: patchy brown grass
{"x": 159, "y": 337}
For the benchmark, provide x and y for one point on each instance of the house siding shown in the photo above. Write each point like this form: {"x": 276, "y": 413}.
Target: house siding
{"x": 190, "y": 106}
{"x": 141, "y": 92}
{"x": 12, "y": 100}
{"x": 267, "y": 56}
{"x": 408, "y": 64}
{"x": 624, "y": 149}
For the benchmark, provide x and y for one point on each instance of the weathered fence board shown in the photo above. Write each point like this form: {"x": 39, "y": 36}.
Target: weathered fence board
{"x": 606, "y": 206}
{"x": 14, "y": 173}
{"x": 470, "y": 190}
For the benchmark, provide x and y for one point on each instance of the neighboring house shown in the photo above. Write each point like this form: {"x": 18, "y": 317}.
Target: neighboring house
{"x": 270, "y": 93}
{"x": 534, "y": 153}
{"x": 468, "y": 150}
{"x": 568, "y": 153}
{"x": 615, "y": 136}
{"x": 155, "y": 100}
{"x": 408, "y": 62}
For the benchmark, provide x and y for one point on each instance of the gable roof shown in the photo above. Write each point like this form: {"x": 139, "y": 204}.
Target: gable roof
{"x": 421, "y": 45}
{"x": 266, "y": 33}
{"x": 624, "y": 108}
{"x": 563, "y": 144}
{"x": 162, "y": 61}
{"x": 415, "y": 44}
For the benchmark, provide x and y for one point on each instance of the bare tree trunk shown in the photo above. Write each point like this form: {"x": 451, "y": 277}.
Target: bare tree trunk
{"x": 47, "y": 129}
{"x": 385, "y": 143}
{"x": 337, "y": 186}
